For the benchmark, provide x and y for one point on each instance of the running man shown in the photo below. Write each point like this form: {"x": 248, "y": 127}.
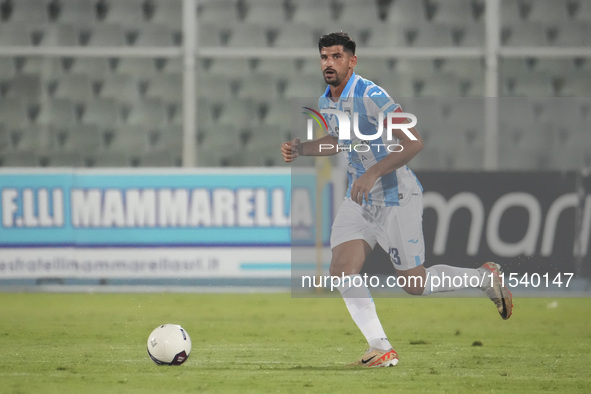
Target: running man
{"x": 383, "y": 204}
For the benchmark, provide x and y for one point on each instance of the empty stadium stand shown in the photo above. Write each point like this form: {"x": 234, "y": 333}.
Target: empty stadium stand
{"x": 119, "y": 110}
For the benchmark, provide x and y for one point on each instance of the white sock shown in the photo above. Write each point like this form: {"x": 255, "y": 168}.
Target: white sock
{"x": 363, "y": 311}
{"x": 442, "y": 278}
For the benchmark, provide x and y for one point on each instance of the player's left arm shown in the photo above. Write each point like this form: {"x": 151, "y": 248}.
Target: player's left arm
{"x": 410, "y": 148}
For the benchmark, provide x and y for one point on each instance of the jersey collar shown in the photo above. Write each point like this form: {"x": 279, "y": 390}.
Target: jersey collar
{"x": 346, "y": 90}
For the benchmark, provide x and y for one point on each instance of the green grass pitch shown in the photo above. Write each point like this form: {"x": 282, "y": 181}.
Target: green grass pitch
{"x": 273, "y": 343}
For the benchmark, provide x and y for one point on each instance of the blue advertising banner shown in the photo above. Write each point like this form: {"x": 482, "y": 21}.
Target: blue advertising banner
{"x": 100, "y": 208}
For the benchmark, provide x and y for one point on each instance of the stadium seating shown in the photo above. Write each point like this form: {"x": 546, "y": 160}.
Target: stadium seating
{"x": 430, "y": 35}
{"x": 523, "y": 138}
{"x": 31, "y": 139}
{"x": 103, "y": 113}
{"x": 454, "y": 12}
{"x": 581, "y": 11}
{"x": 216, "y": 88}
{"x": 303, "y": 88}
{"x": 469, "y": 70}
{"x": 7, "y": 73}
{"x": 150, "y": 113}
{"x": 135, "y": 67}
{"x": 230, "y": 68}
{"x": 157, "y": 159}
{"x": 134, "y": 140}
{"x": 312, "y": 12}
{"x": 237, "y": 115}
{"x": 357, "y": 13}
{"x": 524, "y": 34}
{"x": 15, "y": 34}
{"x": 248, "y": 36}
{"x": 63, "y": 159}
{"x": 512, "y": 12}
{"x": 264, "y": 151}
{"x": 277, "y": 115}
{"x": 95, "y": 68}
{"x": 125, "y": 12}
{"x": 58, "y": 113}
{"x": 270, "y": 13}
{"x": 554, "y": 67}
{"x": 224, "y": 12}
{"x": 156, "y": 35}
{"x": 106, "y": 35}
{"x": 406, "y": 13}
{"x": 536, "y": 84}
{"x": 209, "y": 34}
{"x": 468, "y": 35}
{"x": 165, "y": 12}
{"x": 48, "y": 68}
{"x": 577, "y": 84}
{"x": 167, "y": 87}
{"x": 280, "y": 68}
{"x": 260, "y": 89}
{"x": 13, "y": 113}
{"x": 27, "y": 87}
{"x": 29, "y": 11}
{"x": 101, "y": 104}
{"x": 438, "y": 86}
{"x": 571, "y": 34}
{"x": 388, "y": 36}
{"x": 122, "y": 89}
{"x": 295, "y": 35}
{"x": 108, "y": 159}
{"x": 88, "y": 138}
{"x": 57, "y": 35}
{"x": 75, "y": 12}
{"x": 19, "y": 159}
{"x": 548, "y": 12}
{"x": 79, "y": 87}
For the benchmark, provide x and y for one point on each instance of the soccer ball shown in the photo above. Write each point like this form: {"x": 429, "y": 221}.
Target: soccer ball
{"x": 169, "y": 344}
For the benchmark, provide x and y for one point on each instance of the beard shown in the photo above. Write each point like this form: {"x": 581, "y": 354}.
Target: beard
{"x": 332, "y": 79}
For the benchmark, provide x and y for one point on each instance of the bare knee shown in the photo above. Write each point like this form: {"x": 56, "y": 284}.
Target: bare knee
{"x": 348, "y": 257}
{"x": 336, "y": 269}
{"x": 343, "y": 266}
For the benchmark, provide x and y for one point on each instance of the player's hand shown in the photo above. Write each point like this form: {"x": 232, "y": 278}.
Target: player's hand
{"x": 361, "y": 188}
{"x": 290, "y": 150}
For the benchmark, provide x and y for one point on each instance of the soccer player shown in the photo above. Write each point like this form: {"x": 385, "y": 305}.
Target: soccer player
{"x": 383, "y": 203}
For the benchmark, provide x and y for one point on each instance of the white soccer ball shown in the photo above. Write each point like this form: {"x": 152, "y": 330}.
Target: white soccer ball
{"x": 169, "y": 344}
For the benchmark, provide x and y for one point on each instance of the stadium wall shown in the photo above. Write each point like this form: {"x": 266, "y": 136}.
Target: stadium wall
{"x": 145, "y": 224}
{"x": 209, "y": 225}
{"x": 529, "y": 222}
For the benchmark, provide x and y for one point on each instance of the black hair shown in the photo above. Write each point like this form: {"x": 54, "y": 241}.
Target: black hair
{"x": 338, "y": 38}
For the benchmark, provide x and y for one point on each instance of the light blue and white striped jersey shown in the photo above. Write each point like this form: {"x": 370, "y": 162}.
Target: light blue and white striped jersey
{"x": 368, "y": 100}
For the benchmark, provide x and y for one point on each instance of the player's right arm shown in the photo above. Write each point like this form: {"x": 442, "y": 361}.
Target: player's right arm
{"x": 324, "y": 146}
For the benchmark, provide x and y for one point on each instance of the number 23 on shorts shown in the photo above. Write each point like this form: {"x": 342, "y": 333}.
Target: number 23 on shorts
{"x": 394, "y": 256}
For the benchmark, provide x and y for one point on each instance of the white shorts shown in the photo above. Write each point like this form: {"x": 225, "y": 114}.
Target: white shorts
{"x": 398, "y": 229}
